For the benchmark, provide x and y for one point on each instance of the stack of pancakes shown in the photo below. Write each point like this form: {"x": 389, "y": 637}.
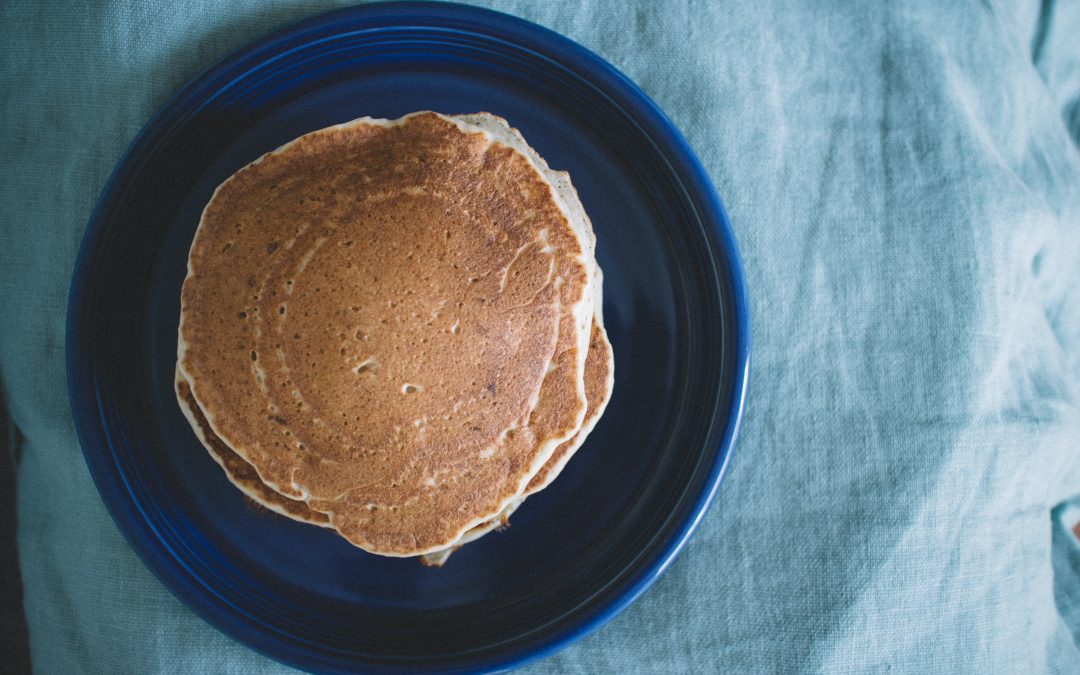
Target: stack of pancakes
{"x": 393, "y": 329}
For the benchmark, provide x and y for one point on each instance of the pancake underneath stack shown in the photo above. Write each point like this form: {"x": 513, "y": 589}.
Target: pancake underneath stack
{"x": 393, "y": 329}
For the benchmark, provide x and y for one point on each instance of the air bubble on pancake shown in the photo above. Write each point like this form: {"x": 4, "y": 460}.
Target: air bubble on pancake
{"x": 409, "y": 388}
{"x": 456, "y": 328}
{"x": 366, "y": 365}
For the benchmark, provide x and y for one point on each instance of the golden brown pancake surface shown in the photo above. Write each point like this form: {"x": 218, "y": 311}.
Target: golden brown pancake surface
{"x": 369, "y": 317}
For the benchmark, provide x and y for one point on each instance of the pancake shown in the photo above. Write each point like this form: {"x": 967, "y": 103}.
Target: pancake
{"x": 598, "y": 388}
{"x": 373, "y": 320}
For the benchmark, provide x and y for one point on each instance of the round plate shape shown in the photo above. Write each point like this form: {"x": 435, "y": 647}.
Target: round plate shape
{"x": 577, "y": 552}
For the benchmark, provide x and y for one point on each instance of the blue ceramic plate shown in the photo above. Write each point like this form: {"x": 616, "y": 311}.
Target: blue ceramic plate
{"x": 578, "y": 552}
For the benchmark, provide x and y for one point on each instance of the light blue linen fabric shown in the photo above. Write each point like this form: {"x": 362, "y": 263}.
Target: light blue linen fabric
{"x": 904, "y": 184}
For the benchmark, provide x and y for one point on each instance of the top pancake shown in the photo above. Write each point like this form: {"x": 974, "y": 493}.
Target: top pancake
{"x": 369, "y": 316}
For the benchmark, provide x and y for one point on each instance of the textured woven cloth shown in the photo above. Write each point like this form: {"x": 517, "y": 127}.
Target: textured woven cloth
{"x": 904, "y": 184}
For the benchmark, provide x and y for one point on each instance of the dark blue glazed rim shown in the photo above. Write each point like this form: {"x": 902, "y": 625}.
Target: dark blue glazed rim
{"x": 580, "y": 551}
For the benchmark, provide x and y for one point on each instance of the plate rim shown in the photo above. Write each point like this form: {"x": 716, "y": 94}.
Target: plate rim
{"x": 582, "y": 62}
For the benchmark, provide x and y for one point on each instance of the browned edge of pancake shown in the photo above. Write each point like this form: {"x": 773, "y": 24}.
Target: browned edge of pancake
{"x": 237, "y": 470}
{"x": 599, "y": 383}
{"x": 437, "y": 559}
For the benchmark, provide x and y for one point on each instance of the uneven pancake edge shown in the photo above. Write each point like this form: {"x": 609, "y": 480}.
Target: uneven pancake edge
{"x": 249, "y": 485}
